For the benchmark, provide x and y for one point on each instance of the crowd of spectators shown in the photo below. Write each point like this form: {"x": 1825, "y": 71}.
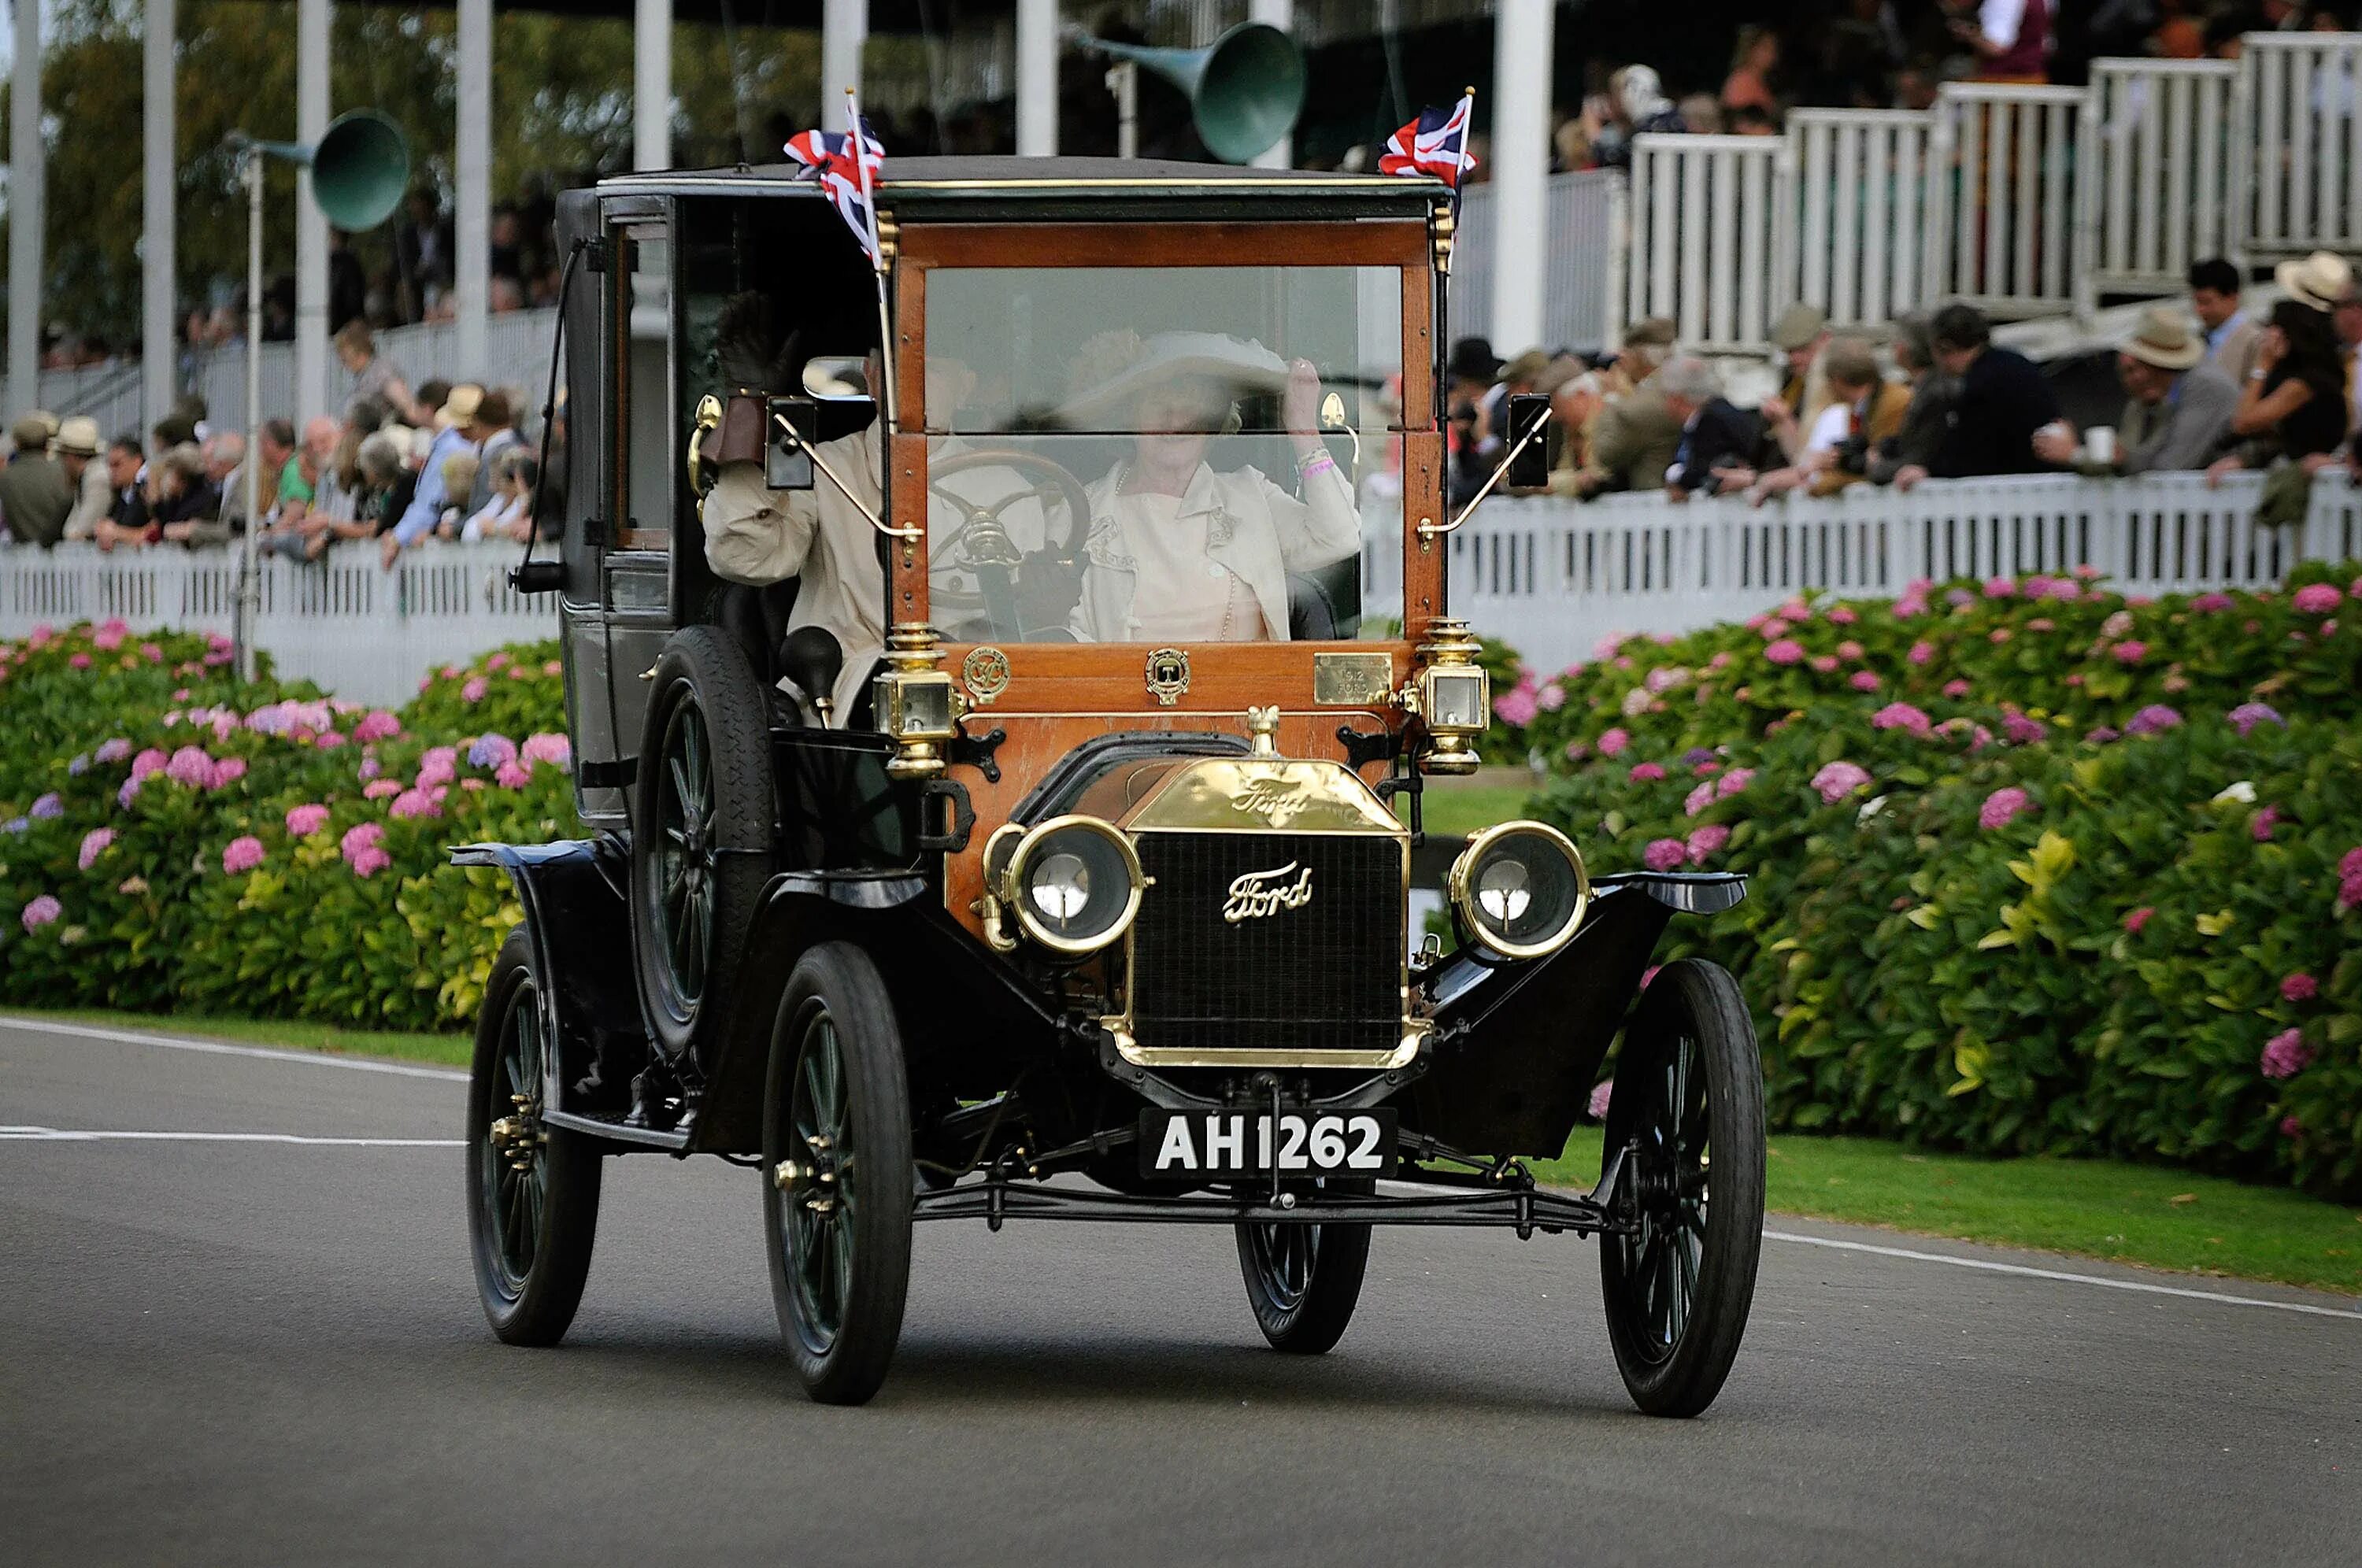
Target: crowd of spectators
{"x": 397, "y": 470}
{"x": 2212, "y": 386}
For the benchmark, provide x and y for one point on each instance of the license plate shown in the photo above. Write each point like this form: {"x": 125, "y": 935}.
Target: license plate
{"x": 1246, "y": 1142}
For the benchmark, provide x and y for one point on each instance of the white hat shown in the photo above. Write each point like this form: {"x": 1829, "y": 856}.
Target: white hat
{"x": 2320, "y": 281}
{"x": 1240, "y": 367}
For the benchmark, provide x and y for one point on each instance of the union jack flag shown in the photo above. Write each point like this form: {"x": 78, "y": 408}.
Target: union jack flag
{"x": 828, "y": 159}
{"x": 1436, "y": 143}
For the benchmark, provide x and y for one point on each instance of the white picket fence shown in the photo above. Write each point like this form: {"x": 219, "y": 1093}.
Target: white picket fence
{"x": 1583, "y": 257}
{"x": 1553, "y": 576}
{"x": 359, "y": 632}
{"x": 2163, "y": 174}
{"x": 2306, "y": 138}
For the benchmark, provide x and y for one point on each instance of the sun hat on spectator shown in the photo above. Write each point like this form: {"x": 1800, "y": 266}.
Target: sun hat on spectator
{"x": 32, "y": 431}
{"x": 1797, "y": 326}
{"x": 1473, "y": 359}
{"x": 2164, "y": 339}
{"x": 77, "y": 438}
{"x": 1559, "y": 372}
{"x": 460, "y": 408}
{"x": 2319, "y": 281}
{"x": 1650, "y": 331}
{"x": 1526, "y": 367}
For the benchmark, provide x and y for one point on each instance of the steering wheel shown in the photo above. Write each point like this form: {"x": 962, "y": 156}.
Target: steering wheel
{"x": 980, "y": 542}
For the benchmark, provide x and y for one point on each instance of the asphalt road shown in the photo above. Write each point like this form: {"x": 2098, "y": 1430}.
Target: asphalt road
{"x": 236, "y": 1352}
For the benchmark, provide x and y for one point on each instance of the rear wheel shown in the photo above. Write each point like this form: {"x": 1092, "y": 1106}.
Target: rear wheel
{"x": 532, "y": 1191}
{"x": 1688, "y": 1102}
{"x": 701, "y": 832}
{"x": 1304, "y": 1281}
{"x": 837, "y": 1175}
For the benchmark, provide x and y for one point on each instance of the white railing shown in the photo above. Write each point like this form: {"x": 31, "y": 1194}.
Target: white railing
{"x": 2306, "y": 140}
{"x": 1857, "y": 182}
{"x": 1584, "y": 250}
{"x": 357, "y": 631}
{"x": 2161, "y": 172}
{"x": 1705, "y": 221}
{"x": 1553, "y": 576}
{"x": 2002, "y": 213}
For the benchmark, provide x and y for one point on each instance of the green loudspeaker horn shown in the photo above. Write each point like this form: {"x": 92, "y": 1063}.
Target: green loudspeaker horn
{"x": 1245, "y": 88}
{"x": 361, "y": 169}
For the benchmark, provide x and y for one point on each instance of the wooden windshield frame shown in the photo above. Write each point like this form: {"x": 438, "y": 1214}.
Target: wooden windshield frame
{"x": 1106, "y": 677}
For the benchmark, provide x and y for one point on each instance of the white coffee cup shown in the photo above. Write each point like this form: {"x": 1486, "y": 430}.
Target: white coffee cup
{"x": 2100, "y": 444}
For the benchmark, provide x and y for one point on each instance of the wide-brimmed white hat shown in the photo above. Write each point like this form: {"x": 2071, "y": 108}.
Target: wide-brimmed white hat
{"x": 2164, "y": 339}
{"x": 1239, "y": 367}
{"x": 2320, "y": 281}
{"x": 77, "y": 437}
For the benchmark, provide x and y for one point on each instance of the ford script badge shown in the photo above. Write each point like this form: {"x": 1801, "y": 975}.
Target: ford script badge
{"x": 1260, "y": 893}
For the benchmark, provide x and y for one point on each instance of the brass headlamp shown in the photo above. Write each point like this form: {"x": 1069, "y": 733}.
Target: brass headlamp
{"x": 915, "y": 704}
{"x": 1455, "y": 695}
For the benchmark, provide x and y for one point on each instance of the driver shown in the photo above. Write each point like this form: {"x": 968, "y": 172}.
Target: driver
{"x": 758, "y": 535}
{"x": 1178, "y": 552}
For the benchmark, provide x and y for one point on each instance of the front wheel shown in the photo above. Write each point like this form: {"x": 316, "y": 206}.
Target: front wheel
{"x": 1687, "y": 1107}
{"x": 1304, "y": 1281}
{"x": 837, "y": 1174}
{"x": 532, "y": 1191}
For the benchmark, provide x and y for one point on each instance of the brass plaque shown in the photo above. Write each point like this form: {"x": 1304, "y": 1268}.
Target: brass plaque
{"x": 985, "y": 672}
{"x": 1168, "y": 675}
{"x": 1353, "y": 680}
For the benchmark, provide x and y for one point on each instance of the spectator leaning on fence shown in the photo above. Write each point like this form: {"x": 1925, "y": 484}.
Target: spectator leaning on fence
{"x": 457, "y": 420}
{"x": 2293, "y": 403}
{"x": 34, "y": 495}
{"x": 1801, "y": 334}
{"x": 2176, "y": 406}
{"x": 225, "y": 472}
{"x": 374, "y": 375}
{"x": 126, "y": 526}
{"x": 2231, "y": 333}
{"x": 496, "y": 422}
{"x": 1630, "y": 441}
{"x": 1719, "y": 441}
{"x": 1928, "y": 418}
{"x": 1864, "y": 409}
{"x": 2003, "y": 400}
{"x": 76, "y": 450}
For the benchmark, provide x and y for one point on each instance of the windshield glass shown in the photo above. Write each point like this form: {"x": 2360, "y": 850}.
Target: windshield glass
{"x": 1159, "y": 454}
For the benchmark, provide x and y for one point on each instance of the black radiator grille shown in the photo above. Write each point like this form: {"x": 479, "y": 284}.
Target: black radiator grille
{"x": 1324, "y": 976}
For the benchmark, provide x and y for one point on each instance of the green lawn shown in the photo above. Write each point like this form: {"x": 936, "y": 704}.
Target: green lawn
{"x": 2103, "y": 1208}
{"x": 1455, "y": 808}
{"x": 449, "y": 1050}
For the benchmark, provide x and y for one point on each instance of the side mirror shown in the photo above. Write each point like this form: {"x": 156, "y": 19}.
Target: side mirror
{"x": 791, "y": 427}
{"x": 1528, "y": 466}
{"x": 539, "y": 577}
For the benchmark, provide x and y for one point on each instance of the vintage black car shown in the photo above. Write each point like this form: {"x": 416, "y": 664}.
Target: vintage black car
{"x": 1002, "y": 809}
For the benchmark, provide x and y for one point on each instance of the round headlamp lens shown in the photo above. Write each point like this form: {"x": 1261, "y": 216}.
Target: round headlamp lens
{"x": 1502, "y": 892}
{"x": 1061, "y": 888}
{"x": 1076, "y": 884}
{"x": 1522, "y": 890}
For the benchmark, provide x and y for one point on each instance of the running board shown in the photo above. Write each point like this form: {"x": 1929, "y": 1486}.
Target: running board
{"x": 675, "y": 1139}
{"x": 1524, "y": 1211}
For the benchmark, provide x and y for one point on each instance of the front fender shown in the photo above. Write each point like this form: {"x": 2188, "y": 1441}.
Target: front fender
{"x": 1520, "y": 1044}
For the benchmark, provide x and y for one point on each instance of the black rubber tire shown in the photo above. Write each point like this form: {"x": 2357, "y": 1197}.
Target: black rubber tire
{"x": 844, "y": 1362}
{"x": 1305, "y": 1316}
{"x": 529, "y": 1292}
{"x": 703, "y": 682}
{"x": 1692, "y": 1024}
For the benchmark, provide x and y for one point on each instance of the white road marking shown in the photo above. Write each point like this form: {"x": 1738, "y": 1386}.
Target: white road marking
{"x": 1995, "y": 1266}
{"x": 74, "y": 1135}
{"x": 217, "y": 1048}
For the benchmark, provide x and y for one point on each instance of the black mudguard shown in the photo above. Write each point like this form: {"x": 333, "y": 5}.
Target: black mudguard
{"x": 1520, "y": 1042}
{"x": 578, "y": 920}
{"x": 968, "y": 1020}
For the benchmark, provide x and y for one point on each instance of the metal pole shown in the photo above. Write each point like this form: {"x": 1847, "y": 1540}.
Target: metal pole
{"x": 844, "y": 28}
{"x": 311, "y": 21}
{"x": 1521, "y": 77}
{"x": 1123, "y": 81}
{"x": 250, "y": 582}
{"x": 1280, "y": 14}
{"x": 1037, "y": 78}
{"x": 652, "y": 84}
{"x": 158, "y": 343}
{"x": 25, "y": 155}
{"x": 472, "y": 224}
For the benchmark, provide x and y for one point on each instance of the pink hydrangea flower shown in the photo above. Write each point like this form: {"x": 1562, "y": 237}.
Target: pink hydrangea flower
{"x": 2209, "y": 603}
{"x": 190, "y": 765}
{"x": 439, "y": 765}
{"x": 2265, "y": 819}
{"x": 1772, "y": 628}
{"x": 1850, "y": 650}
{"x": 2137, "y": 919}
{"x": 1844, "y": 615}
{"x": 2350, "y": 864}
{"x": 1550, "y": 698}
{"x": 1787, "y": 650}
{"x": 474, "y": 690}
{"x": 2247, "y": 715}
{"x": 513, "y": 776}
{"x": 40, "y": 911}
{"x": 304, "y": 820}
{"x": 2101, "y": 734}
{"x": 227, "y": 772}
{"x": 2285, "y": 1054}
{"x": 1957, "y": 688}
{"x": 1647, "y": 772}
{"x": 2299, "y": 987}
{"x": 2349, "y": 893}
{"x": 1823, "y": 663}
{"x": 553, "y": 749}
{"x": 1998, "y": 636}
{"x": 471, "y": 785}
{"x": 2130, "y": 652}
{"x": 109, "y": 637}
{"x": 376, "y": 725}
{"x": 1698, "y": 799}
{"x": 415, "y": 803}
{"x": 498, "y": 661}
{"x": 1612, "y": 744}
{"x": 94, "y": 844}
{"x": 152, "y": 652}
{"x": 79, "y": 661}
{"x": 151, "y": 760}
{"x": 1664, "y": 854}
{"x": 360, "y": 849}
{"x": 552, "y": 667}
{"x": 1600, "y": 1094}
{"x": 1707, "y": 841}
{"x": 1863, "y": 680}
{"x": 2291, "y": 1128}
{"x": 2149, "y": 720}
{"x": 2317, "y": 599}
{"x": 1999, "y": 588}
{"x": 1732, "y": 782}
{"x": 2021, "y": 730}
{"x": 378, "y": 788}
{"x": 1901, "y": 716}
{"x": 1921, "y": 652}
{"x": 241, "y": 855}
{"x": 2002, "y": 805}
{"x": 1835, "y": 780}
{"x": 1796, "y": 610}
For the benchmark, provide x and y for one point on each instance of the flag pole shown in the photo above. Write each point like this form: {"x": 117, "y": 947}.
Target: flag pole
{"x": 858, "y": 135}
{"x": 1443, "y": 294}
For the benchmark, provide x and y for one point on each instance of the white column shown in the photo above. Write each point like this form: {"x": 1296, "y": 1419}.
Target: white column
{"x": 311, "y": 223}
{"x": 1521, "y": 107}
{"x": 159, "y": 340}
{"x": 1037, "y": 78}
{"x": 25, "y": 217}
{"x": 652, "y": 84}
{"x": 472, "y": 222}
{"x": 1280, "y": 14}
{"x": 844, "y": 28}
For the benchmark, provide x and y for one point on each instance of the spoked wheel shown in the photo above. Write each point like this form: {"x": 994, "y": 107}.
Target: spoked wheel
{"x": 1688, "y": 1102}
{"x": 701, "y": 832}
{"x": 532, "y": 1191}
{"x": 837, "y": 1175}
{"x": 1303, "y": 1281}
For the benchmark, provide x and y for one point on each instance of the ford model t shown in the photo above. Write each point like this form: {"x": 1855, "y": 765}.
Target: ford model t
{"x": 1003, "y": 808}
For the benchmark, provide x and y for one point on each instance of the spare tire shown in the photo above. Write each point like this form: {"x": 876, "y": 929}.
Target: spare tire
{"x": 704, "y": 833}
